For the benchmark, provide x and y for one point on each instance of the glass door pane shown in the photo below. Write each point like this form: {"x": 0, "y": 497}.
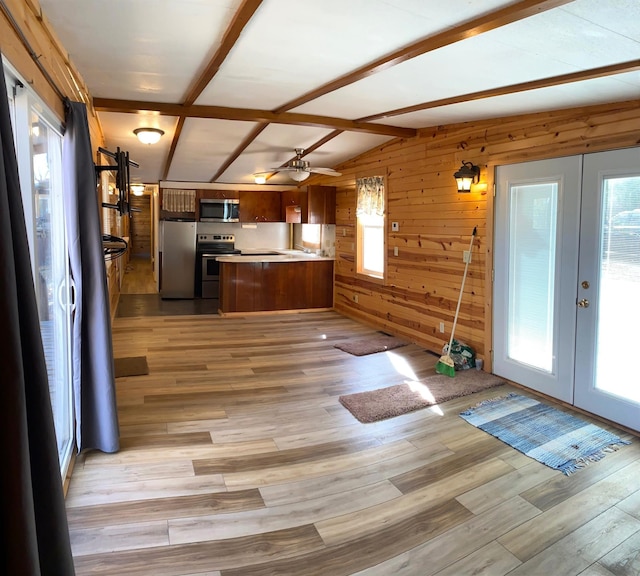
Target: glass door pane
{"x": 532, "y": 238}
{"x": 51, "y": 278}
{"x": 618, "y": 315}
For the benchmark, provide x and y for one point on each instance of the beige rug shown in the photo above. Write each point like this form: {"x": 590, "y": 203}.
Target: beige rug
{"x": 377, "y": 343}
{"x": 131, "y": 366}
{"x": 383, "y": 403}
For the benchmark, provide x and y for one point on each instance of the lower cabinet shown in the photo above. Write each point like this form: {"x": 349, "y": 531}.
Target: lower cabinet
{"x": 262, "y": 286}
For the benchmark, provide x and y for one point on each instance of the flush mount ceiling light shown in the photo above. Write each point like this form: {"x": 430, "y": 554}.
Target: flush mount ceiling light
{"x": 466, "y": 175}
{"x": 260, "y": 178}
{"x": 148, "y": 135}
{"x": 137, "y": 189}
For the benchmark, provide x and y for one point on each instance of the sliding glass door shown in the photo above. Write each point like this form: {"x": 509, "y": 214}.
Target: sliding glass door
{"x": 39, "y": 145}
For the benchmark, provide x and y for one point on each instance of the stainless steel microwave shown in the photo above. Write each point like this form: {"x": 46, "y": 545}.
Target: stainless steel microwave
{"x": 219, "y": 210}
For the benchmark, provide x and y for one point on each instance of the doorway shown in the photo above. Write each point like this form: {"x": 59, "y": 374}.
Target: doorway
{"x": 567, "y": 268}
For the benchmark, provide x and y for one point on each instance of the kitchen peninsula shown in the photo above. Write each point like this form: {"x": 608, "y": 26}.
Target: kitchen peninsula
{"x": 287, "y": 280}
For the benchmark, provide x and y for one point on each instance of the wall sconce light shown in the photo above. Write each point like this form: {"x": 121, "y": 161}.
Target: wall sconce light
{"x": 260, "y": 178}
{"x": 148, "y": 135}
{"x": 466, "y": 175}
{"x": 137, "y": 189}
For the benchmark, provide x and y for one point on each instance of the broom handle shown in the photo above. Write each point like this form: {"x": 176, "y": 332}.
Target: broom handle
{"x": 464, "y": 277}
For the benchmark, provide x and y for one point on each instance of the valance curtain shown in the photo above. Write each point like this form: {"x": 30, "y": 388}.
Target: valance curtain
{"x": 370, "y": 193}
{"x": 32, "y": 510}
{"x": 93, "y": 373}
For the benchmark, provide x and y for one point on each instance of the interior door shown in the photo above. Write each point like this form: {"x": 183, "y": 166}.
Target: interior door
{"x": 608, "y": 319}
{"x": 535, "y": 274}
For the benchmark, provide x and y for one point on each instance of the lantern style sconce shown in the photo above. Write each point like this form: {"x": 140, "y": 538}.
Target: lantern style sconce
{"x": 466, "y": 175}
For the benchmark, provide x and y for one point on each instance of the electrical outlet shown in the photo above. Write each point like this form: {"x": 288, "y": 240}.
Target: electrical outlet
{"x": 441, "y": 326}
{"x": 466, "y": 256}
{"x": 355, "y": 298}
{"x": 395, "y": 250}
{"x": 395, "y": 227}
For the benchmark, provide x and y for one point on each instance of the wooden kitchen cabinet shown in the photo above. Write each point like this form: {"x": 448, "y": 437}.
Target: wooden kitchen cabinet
{"x": 294, "y": 204}
{"x": 215, "y": 194}
{"x": 310, "y": 205}
{"x": 322, "y": 204}
{"x": 262, "y": 206}
{"x": 263, "y": 286}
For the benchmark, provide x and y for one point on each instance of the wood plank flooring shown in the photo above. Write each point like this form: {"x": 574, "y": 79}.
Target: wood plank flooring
{"x": 238, "y": 459}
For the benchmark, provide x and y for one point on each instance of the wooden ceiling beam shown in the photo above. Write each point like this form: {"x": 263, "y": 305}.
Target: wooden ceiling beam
{"x": 479, "y": 25}
{"x": 239, "y": 150}
{"x": 172, "y": 148}
{"x": 231, "y": 35}
{"x": 601, "y": 72}
{"x": 250, "y": 115}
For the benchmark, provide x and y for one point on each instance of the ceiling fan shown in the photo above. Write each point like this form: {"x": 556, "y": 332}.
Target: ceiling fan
{"x": 299, "y": 169}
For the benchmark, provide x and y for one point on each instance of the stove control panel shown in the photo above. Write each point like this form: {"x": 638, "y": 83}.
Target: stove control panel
{"x": 230, "y": 238}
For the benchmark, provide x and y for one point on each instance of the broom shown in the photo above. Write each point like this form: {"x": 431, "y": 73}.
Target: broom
{"x": 445, "y": 365}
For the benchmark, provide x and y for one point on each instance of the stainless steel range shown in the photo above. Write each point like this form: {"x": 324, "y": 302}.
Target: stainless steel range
{"x": 208, "y": 248}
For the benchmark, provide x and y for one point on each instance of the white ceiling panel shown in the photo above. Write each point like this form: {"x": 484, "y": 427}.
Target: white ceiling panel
{"x": 619, "y": 16}
{"x": 293, "y": 46}
{"x": 439, "y": 74}
{"x": 502, "y": 57}
{"x": 155, "y": 50}
{"x": 204, "y": 146}
{"x": 141, "y": 49}
{"x": 118, "y": 129}
{"x": 597, "y": 91}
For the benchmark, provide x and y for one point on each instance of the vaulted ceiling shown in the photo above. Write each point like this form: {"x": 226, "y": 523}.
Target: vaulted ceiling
{"x": 236, "y": 85}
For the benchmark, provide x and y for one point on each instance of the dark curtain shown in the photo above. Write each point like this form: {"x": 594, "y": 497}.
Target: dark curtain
{"x": 36, "y": 536}
{"x": 93, "y": 373}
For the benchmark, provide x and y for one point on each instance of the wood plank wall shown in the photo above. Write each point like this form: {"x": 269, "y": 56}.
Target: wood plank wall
{"x": 140, "y": 225}
{"x": 65, "y": 79}
{"x": 435, "y": 222}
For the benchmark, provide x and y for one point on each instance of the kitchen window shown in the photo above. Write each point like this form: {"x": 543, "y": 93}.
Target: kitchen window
{"x": 370, "y": 237}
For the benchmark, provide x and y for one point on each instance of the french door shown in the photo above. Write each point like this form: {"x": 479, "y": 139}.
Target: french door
{"x": 567, "y": 266}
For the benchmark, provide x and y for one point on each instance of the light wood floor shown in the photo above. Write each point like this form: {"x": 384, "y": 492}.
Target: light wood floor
{"x": 238, "y": 460}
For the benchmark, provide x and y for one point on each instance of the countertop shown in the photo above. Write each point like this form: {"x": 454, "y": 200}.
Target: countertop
{"x": 258, "y": 255}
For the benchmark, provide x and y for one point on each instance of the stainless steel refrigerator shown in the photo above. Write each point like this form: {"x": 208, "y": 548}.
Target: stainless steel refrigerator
{"x": 178, "y": 259}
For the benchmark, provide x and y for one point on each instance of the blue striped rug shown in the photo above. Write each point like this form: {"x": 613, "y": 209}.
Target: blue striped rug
{"x": 555, "y": 438}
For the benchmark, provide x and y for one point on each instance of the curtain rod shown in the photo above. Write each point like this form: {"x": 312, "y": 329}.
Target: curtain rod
{"x": 30, "y": 50}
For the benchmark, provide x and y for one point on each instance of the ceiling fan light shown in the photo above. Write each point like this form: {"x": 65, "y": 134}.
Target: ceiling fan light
{"x": 299, "y": 175}
{"x": 148, "y": 135}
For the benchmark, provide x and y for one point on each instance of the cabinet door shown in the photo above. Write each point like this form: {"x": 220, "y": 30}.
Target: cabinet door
{"x": 294, "y": 206}
{"x": 322, "y": 204}
{"x": 215, "y": 194}
{"x": 260, "y": 206}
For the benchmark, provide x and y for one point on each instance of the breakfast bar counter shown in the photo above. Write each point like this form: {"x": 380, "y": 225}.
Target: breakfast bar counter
{"x": 287, "y": 280}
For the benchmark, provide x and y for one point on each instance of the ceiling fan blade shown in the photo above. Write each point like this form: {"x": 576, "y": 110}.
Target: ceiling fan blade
{"x": 281, "y": 169}
{"x": 325, "y": 171}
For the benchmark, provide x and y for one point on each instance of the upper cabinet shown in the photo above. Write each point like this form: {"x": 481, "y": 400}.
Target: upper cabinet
{"x": 262, "y": 206}
{"x": 310, "y": 205}
{"x": 214, "y": 194}
{"x": 322, "y": 204}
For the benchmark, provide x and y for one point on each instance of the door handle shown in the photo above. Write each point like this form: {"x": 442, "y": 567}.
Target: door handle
{"x": 584, "y": 303}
